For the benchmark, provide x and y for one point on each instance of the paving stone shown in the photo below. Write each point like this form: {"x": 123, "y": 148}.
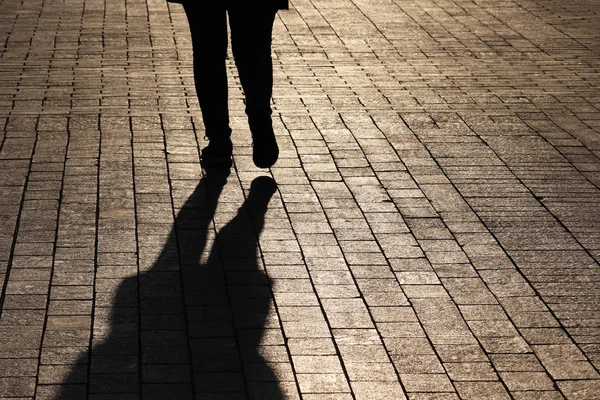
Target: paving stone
{"x": 432, "y": 396}
{"x": 417, "y": 364}
{"x": 471, "y": 372}
{"x": 549, "y": 395}
{"x": 17, "y": 387}
{"x": 579, "y": 389}
{"x": 426, "y": 382}
{"x": 322, "y": 383}
{"x": 478, "y": 390}
{"x": 317, "y": 364}
{"x": 18, "y": 367}
{"x": 377, "y": 390}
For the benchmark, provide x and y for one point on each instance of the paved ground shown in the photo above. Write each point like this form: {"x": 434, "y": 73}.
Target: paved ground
{"x": 432, "y": 230}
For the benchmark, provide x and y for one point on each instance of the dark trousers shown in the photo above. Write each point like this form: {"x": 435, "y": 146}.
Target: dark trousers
{"x": 251, "y": 30}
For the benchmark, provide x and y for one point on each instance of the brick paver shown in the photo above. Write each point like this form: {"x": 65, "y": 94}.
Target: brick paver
{"x": 432, "y": 228}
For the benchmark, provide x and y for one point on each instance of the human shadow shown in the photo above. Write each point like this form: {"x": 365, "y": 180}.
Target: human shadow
{"x": 193, "y": 329}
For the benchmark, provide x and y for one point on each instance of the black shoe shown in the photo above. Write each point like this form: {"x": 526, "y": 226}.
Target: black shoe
{"x": 264, "y": 147}
{"x": 217, "y": 154}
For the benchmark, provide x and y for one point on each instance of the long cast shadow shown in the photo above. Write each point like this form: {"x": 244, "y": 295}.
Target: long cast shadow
{"x": 193, "y": 334}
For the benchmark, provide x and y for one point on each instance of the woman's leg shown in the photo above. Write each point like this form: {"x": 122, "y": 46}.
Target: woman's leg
{"x": 208, "y": 27}
{"x": 251, "y": 30}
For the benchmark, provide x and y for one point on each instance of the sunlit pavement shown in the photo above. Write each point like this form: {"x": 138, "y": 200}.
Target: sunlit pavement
{"x": 434, "y": 233}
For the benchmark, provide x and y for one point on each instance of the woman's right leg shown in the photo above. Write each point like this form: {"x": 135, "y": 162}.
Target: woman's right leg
{"x": 208, "y": 27}
{"x": 251, "y": 30}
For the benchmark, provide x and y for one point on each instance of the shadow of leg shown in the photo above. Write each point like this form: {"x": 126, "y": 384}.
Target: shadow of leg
{"x": 228, "y": 360}
{"x": 140, "y": 345}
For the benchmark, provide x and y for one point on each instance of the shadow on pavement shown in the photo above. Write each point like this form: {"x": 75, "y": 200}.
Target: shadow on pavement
{"x": 195, "y": 334}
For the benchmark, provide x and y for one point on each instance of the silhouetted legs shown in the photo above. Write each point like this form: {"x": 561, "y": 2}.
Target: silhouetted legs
{"x": 251, "y": 30}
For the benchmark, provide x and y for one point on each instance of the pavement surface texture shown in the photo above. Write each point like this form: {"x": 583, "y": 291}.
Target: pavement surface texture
{"x": 430, "y": 232}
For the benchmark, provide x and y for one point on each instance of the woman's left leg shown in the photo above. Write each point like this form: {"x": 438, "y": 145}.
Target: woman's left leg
{"x": 208, "y": 27}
